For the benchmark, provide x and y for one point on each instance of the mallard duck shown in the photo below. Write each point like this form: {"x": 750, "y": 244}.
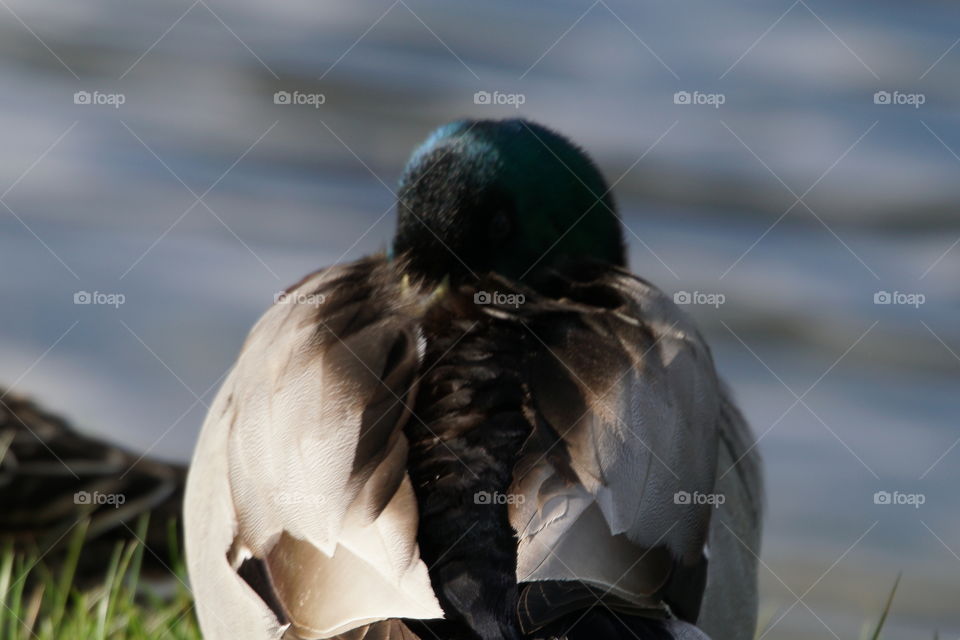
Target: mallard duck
{"x": 493, "y": 430}
{"x": 56, "y": 482}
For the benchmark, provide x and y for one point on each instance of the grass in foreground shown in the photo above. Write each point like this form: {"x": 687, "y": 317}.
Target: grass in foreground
{"x": 886, "y": 611}
{"x": 40, "y": 603}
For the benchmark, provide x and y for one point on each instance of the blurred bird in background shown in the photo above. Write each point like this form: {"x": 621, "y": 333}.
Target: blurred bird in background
{"x": 53, "y": 479}
{"x": 492, "y": 430}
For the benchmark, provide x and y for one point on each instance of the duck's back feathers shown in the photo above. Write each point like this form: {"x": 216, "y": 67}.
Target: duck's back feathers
{"x": 625, "y": 386}
{"x": 665, "y": 472}
{"x": 300, "y": 466}
{"x": 586, "y": 401}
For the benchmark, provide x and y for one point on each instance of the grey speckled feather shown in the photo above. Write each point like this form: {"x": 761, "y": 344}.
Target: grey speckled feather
{"x": 629, "y": 387}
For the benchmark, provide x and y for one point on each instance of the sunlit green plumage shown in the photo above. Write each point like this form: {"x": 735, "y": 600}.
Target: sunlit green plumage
{"x": 508, "y": 196}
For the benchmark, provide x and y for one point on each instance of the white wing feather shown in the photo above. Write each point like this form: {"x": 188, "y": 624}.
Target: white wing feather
{"x": 278, "y": 475}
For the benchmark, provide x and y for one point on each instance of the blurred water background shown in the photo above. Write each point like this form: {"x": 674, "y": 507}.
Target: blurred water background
{"x": 798, "y": 199}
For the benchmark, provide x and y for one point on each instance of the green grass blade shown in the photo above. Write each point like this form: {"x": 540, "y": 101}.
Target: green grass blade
{"x": 41, "y": 601}
{"x": 15, "y": 598}
{"x": 6, "y": 577}
{"x": 886, "y": 609}
{"x": 63, "y": 585}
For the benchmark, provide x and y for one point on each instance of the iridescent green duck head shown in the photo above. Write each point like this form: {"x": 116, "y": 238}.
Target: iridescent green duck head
{"x": 504, "y": 196}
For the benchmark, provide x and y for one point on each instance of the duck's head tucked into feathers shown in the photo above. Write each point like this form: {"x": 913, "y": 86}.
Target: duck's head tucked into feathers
{"x": 504, "y": 196}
